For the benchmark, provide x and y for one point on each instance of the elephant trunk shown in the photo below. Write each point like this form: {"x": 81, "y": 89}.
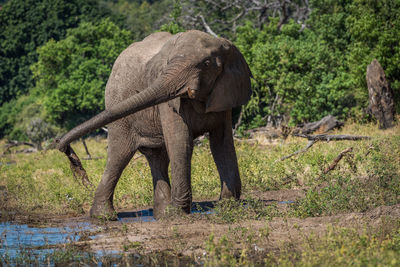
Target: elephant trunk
{"x": 151, "y": 96}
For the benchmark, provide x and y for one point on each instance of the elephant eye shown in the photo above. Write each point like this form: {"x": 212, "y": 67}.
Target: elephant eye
{"x": 207, "y": 62}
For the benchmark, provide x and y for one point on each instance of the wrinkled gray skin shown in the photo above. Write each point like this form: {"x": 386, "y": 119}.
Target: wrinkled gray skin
{"x": 162, "y": 93}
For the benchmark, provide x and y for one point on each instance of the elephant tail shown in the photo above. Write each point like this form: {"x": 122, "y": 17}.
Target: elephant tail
{"x": 77, "y": 169}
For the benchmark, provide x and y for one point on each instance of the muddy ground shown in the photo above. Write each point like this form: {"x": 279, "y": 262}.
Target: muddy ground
{"x": 187, "y": 235}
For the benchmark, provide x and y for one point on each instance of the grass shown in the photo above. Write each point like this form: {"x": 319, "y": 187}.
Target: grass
{"x": 338, "y": 246}
{"x": 71, "y": 256}
{"x": 366, "y": 178}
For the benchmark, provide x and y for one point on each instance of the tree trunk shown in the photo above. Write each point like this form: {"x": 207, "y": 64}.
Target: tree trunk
{"x": 381, "y": 103}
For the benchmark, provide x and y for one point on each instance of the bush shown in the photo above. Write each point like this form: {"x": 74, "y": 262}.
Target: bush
{"x": 296, "y": 75}
{"x": 71, "y": 74}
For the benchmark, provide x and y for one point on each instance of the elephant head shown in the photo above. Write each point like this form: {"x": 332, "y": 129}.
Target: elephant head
{"x": 192, "y": 64}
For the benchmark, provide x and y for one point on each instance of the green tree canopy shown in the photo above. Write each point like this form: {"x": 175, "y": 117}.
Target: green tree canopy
{"x": 374, "y": 27}
{"x": 141, "y": 17}
{"x": 308, "y": 58}
{"x": 26, "y": 25}
{"x": 296, "y": 74}
{"x": 71, "y": 74}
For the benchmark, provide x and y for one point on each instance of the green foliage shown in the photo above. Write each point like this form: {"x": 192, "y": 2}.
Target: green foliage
{"x": 141, "y": 17}
{"x": 16, "y": 115}
{"x": 175, "y": 25}
{"x": 27, "y": 25}
{"x": 219, "y": 253}
{"x": 360, "y": 31}
{"x": 374, "y": 27}
{"x": 335, "y": 247}
{"x": 301, "y": 72}
{"x": 305, "y": 74}
{"x": 341, "y": 247}
{"x": 71, "y": 74}
{"x": 39, "y": 131}
{"x": 295, "y": 74}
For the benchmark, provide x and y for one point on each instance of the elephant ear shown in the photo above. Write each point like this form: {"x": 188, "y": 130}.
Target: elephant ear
{"x": 232, "y": 88}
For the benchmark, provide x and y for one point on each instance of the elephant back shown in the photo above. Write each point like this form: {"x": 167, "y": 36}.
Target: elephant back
{"x": 128, "y": 72}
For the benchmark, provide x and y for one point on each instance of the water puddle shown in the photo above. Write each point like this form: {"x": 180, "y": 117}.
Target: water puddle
{"x": 205, "y": 207}
{"x": 17, "y": 237}
{"x": 40, "y": 242}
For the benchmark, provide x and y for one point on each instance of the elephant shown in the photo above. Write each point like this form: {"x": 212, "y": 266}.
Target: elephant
{"x": 162, "y": 93}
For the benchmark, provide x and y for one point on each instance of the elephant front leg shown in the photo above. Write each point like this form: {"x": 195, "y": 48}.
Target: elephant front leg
{"x": 223, "y": 151}
{"x": 179, "y": 143}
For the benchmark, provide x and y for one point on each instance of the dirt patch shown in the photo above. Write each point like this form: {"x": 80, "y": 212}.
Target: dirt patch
{"x": 188, "y": 234}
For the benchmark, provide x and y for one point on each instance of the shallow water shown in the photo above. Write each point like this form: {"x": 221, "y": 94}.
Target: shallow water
{"x": 205, "y": 207}
{"x": 34, "y": 242}
{"x": 15, "y": 238}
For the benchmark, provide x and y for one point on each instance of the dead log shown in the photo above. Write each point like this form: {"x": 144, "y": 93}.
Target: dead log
{"x": 337, "y": 159}
{"x": 327, "y": 137}
{"x": 26, "y": 151}
{"x": 14, "y": 143}
{"x": 381, "y": 102}
{"x": 76, "y": 167}
{"x": 324, "y": 125}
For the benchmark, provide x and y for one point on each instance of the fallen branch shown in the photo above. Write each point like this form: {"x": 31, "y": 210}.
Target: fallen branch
{"x": 88, "y": 157}
{"x": 77, "y": 168}
{"x": 14, "y": 143}
{"x": 312, "y": 139}
{"x": 310, "y": 144}
{"x": 324, "y": 125}
{"x": 337, "y": 159}
{"x": 327, "y": 137}
{"x": 208, "y": 29}
{"x": 26, "y": 150}
{"x": 238, "y": 122}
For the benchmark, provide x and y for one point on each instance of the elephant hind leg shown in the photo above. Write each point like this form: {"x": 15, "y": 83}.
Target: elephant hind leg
{"x": 158, "y": 160}
{"x": 121, "y": 148}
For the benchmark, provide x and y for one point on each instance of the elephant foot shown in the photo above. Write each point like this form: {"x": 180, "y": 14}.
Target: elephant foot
{"x": 170, "y": 211}
{"x": 160, "y": 209}
{"x": 162, "y": 199}
{"x": 167, "y": 210}
{"x": 183, "y": 205}
{"x": 233, "y": 192}
{"x": 104, "y": 211}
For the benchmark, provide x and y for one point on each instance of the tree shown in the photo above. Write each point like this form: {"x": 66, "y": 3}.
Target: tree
{"x": 175, "y": 25}
{"x": 71, "y": 74}
{"x": 39, "y": 131}
{"x": 224, "y": 16}
{"x": 296, "y": 75}
{"x": 141, "y": 17}
{"x": 26, "y": 25}
{"x": 374, "y": 26}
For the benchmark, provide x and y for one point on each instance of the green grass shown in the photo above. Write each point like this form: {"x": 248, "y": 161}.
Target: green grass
{"x": 71, "y": 256}
{"x": 366, "y": 178}
{"x": 336, "y": 247}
